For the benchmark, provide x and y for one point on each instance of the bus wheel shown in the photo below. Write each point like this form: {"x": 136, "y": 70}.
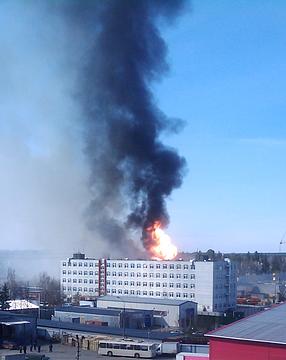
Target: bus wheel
{"x": 109, "y": 353}
{"x": 137, "y": 355}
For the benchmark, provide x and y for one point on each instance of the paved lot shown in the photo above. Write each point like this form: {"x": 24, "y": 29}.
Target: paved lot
{"x": 65, "y": 352}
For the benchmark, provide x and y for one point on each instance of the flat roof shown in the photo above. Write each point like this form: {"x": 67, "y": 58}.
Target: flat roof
{"x": 144, "y": 300}
{"x": 9, "y": 323}
{"x": 88, "y": 310}
{"x": 266, "y": 326}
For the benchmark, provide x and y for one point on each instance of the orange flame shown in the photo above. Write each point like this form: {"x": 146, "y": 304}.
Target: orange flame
{"x": 162, "y": 247}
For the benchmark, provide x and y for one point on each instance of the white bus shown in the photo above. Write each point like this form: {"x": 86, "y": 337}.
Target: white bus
{"x": 128, "y": 348}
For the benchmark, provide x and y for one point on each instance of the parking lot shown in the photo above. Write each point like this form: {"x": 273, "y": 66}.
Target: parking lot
{"x": 65, "y": 352}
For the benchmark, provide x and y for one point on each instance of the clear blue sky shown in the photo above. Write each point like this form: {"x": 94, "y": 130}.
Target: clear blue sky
{"x": 227, "y": 80}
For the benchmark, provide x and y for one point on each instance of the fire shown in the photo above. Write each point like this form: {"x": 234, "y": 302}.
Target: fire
{"x": 161, "y": 243}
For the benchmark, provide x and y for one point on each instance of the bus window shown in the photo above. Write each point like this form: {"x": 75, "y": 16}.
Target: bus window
{"x": 123, "y": 346}
{"x": 102, "y": 345}
{"x": 116, "y": 346}
{"x": 137, "y": 347}
{"x": 144, "y": 347}
{"x": 109, "y": 346}
{"x": 130, "y": 347}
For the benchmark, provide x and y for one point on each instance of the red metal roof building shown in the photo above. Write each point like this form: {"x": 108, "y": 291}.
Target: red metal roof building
{"x": 258, "y": 337}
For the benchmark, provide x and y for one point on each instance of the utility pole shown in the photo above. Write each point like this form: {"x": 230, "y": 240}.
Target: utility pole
{"x": 77, "y": 352}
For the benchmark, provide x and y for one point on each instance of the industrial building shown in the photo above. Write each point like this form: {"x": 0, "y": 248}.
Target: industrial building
{"x": 166, "y": 312}
{"x": 212, "y": 284}
{"x": 104, "y": 317}
{"x": 261, "y": 336}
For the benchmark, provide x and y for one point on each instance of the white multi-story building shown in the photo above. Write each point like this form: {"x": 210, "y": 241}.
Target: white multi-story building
{"x": 212, "y": 284}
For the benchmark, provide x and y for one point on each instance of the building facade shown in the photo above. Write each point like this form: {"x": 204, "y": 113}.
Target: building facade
{"x": 211, "y": 284}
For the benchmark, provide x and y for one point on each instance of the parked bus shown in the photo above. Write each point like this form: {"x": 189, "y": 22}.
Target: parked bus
{"x": 128, "y": 348}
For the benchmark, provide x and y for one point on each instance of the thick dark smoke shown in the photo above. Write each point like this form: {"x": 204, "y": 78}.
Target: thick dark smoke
{"x": 133, "y": 172}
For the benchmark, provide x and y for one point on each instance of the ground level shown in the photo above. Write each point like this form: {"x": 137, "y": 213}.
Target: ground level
{"x": 65, "y": 352}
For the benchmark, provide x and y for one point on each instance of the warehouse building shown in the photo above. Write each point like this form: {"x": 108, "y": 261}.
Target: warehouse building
{"x": 212, "y": 284}
{"x": 104, "y": 317}
{"x": 166, "y": 312}
{"x": 261, "y": 336}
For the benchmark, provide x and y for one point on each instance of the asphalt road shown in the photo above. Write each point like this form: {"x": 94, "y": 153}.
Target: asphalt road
{"x": 65, "y": 352}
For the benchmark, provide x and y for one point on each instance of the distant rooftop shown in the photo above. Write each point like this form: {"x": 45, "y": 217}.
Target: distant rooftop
{"x": 148, "y": 300}
{"x": 267, "y": 326}
{"x": 21, "y": 305}
{"x": 88, "y": 310}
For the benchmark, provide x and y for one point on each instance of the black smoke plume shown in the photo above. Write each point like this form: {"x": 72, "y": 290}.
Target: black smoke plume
{"x": 132, "y": 171}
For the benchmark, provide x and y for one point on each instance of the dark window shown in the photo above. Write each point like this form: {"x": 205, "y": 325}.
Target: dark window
{"x": 102, "y": 345}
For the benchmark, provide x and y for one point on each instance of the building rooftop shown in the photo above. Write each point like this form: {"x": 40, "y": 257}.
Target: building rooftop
{"x": 267, "y": 326}
{"x": 144, "y": 300}
{"x": 88, "y": 310}
{"x": 21, "y": 305}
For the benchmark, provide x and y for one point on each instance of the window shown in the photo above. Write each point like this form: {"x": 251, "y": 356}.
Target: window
{"x": 151, "y": 266}
{"x": 108, "y": 282}
{"x": 193, "y": 276}
{"x": 165, "y": 275}
{"x": 178, "y": 266}
{"x": 145, "y": 293}
{"x": 186, "y": 267}
{"x": 126, "y": 292}
{"x": 165, "y": 293}
{"x": 192, "y": 295}
{"x": 151, "y": 293}
{"x": 126, "y": 274}
{"x": 178, "y": 285}
{"x": 80, "y": 264}
{"x": 138, "y": 274}
{"x": 64, "y": 264}
{"x": 185, "y": 276}
{"x": 120, "y": 265}
{"x": 69, "y": 272}
{"x": 164, "y": 284}
{"x": 145, "y": 266}
{"x": 119, "y": 291}
{"x": 158, "y": 284}
{"x": 132, "y": 292}
{"x": 90, "y": 289}
{"x": 158, "y": 293}
{"x": 144, "y": 283}
{"x": 80, "y": 280}
{"x": 74, "y": 289}
{"x": 64, "y": 272}
{"x": 113, "y": 282}
{"x": 80, "y": 272}
{"x": 113, "y": 291}
{"x": 164, "y": 266}
{"x": 138, "y": 266}
{"x": 74, "y": 264}
{"x": 178, "y": 295}
{"x": 192, "y": 286}
{"x": 85, "y": 289}
{"x": 69, "y": 280}
{"x": 64, "y": 288}
{"x": 91, "y": 264}
{"x": 107, "y": 265}
{"x": 138, "y": 283}
{"x": 178, "y": 276}
{"x": 193, "y": 267}
{"x": 90, "y": 281}
{"x": 171, "y": 266}
{"x": 125, "y": 282}
{"x": 91, "y": 273}
{"x": 132, "y": 266}
{"x": 120, "y": 273}
{"x": 151, "y": 275}
{"x": 145, "y": 275}
{"x": 126, "y": 265}
{"x": 85, "y": 272}
{"x": 119, "y": 282}
{"x": 185, "y": 295}
{"x": 85, "y": 264}
{"x": 132, "y": 274}
{"x": 138, "y": 292}
{"x": 172, "y": 276}
{"x": 132, "y": 283}
{"x": 158, "y": 266}
{"x": 151, "y": 284}
{"x": 171, "y": 285}
{"x": 157, "y": 275}
{"x": 114, "y": 265}
{"x": 85, "y": 281}
{"x": 113, "y": 273}
{"x": 74, "y": 280}
{"x": 64, "y": 280}
{"x": 185, "y": 286}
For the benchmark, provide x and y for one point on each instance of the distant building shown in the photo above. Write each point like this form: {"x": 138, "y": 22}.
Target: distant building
{"x": 261, "y": 336}
{"x": 212, "y": 284}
